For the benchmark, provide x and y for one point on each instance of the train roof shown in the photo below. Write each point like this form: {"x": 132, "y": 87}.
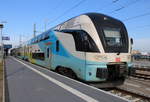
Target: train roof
{"x": 100, "y": 16}
{"x": 93, "y": 16}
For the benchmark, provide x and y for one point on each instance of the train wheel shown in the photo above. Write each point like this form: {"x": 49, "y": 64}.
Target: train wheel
{"x": 66, "y": 72}
{"x": 71, "y": 74}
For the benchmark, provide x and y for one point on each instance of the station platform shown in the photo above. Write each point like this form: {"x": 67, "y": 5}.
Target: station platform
{"x": 26, "y": 82}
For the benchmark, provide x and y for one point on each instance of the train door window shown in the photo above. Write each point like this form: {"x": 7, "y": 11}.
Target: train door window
{"x": 57, "y": 46}
{"x": 47, "y": 52}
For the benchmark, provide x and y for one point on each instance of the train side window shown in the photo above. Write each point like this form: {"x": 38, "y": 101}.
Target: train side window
{"x": 83, "y": 42}
{"x": 46, "y": 36}
{"x": 39, "y": 56}
{"x": 57, "y": 46}
{"x": 56, "y": 30}
{"x": 47, "y": 52}
{"x": 88, "y": 43}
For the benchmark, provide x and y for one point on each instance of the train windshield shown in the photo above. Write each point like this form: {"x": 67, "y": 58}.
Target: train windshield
{"x": 112, "y": 33}
{"x": 112, "y": 36}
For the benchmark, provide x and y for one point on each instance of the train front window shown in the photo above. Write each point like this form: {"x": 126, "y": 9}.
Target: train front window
{"x": 112, "y": 36}
{"x": 112, "y": 33}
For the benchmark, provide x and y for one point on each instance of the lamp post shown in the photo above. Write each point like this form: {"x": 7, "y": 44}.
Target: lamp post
{"x": 1, "y": 36}
{"x": 1, "y": 27}
{"x": 1, "y": 47}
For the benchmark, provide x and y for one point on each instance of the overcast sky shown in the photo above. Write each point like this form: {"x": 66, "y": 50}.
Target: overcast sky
{"x": 22, "y": 14}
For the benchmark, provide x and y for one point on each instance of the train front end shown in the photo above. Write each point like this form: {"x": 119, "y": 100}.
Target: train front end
{"x": 113, "y": 60}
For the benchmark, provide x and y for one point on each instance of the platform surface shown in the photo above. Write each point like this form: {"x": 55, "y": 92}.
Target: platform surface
{"x": 26, "y": 82}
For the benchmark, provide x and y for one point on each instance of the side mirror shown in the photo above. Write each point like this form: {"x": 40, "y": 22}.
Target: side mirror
{"x": 131, "y": 41}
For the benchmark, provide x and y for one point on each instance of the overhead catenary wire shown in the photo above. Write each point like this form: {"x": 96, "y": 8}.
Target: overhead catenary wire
{"x": 141, "y": 27}
{"x": 68, "y": 10}
{"x": 138, "y": 16}
{"x": 105, "y": 6}
{"x": 113, "y": 2}
{"x": 134, "y": 17}
{"x": 75, "y": 6}
{"x": 124, "y": 6}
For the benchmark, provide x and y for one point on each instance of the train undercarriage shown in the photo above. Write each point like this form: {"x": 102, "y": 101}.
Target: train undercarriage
{"x": 115, "y": 75}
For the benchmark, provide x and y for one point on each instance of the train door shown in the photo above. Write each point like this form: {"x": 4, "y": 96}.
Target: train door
{"x": 78, "y": 66}
{"x": 79, "y": 38}
{"x": 48, "y": 56}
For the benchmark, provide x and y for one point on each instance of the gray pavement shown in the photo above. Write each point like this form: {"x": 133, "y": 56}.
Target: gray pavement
{"x": 30, "y": 83}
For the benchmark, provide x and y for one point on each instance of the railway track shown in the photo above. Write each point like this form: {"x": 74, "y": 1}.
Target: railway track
{"x": 131, "y": 96}
{"x": 128, "y": 92}
{"x": 143, "y": 76}
{"x": 143, "y": 73}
